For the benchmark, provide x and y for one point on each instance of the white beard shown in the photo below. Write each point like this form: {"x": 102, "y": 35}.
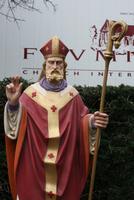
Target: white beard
{"x": 54, "y": 77}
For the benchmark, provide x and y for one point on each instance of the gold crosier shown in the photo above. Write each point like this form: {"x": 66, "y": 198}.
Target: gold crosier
{"x": 114, "y": 38}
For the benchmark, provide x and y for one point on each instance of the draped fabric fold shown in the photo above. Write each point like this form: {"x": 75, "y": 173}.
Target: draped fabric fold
{"x": 51, "y": 156}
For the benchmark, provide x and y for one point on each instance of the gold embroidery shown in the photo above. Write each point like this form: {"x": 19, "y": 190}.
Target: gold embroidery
{"x": 55, "y": 46}
{"x": 51, "y": 154}
{"x": 53, "y": 123}
{"x": 51, "y": 178}
{"x": 47, "y": 99}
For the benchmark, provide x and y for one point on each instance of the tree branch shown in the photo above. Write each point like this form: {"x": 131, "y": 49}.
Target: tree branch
{"x": 8, "y": 8}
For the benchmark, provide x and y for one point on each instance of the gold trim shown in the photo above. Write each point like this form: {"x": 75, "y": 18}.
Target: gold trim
{"x": 51, "y": 154}
{"x": 51, "y": 179}
{"x": 55, "y": 45}
{"x": 47, "y": 99}
{"x": 53, "y": 123}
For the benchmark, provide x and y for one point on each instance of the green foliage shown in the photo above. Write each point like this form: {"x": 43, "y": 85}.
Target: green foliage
{"x": 115, "y": 165}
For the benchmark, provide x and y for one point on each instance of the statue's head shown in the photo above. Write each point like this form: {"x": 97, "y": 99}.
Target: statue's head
{"x": 54, "y": 67}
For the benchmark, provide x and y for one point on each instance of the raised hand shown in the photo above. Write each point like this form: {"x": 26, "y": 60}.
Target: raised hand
{"x": 13, "y": 90}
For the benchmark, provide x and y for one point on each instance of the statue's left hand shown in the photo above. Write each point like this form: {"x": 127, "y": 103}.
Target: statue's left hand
{"x": 100, "y": 120}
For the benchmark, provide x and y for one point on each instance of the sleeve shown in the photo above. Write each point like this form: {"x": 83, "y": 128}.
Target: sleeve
{"x": 92, "y": 136}
{"x": 92, "y": 140}
{"x": 12, "y": 121}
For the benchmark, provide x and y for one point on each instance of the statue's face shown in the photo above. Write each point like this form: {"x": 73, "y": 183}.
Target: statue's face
{"x": 54, "y": 69}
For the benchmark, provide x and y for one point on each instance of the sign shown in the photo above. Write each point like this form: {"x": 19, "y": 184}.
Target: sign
{"x": 83, "y": 27}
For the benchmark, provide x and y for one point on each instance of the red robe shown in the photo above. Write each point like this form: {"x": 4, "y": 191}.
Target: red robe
{"x": 51, "y": 157}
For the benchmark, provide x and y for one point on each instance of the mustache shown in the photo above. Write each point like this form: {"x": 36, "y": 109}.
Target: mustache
{"x": 55, "y": 71}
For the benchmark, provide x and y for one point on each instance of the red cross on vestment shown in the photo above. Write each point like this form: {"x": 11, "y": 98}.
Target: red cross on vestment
{"x": 33, "y": 94}
{"x": 71, "y": 94}
{"x": 50, "y": 194}
{"x": 53, "y": 108}
{"x": 51, "y": 155}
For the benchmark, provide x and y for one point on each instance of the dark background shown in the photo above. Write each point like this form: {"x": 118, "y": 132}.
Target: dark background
{"x": 115, "y": 165}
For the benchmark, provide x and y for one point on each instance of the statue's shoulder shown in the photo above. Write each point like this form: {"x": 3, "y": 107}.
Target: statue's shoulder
{"x": 32, "y": 87}
{"x": 71, "y": 90}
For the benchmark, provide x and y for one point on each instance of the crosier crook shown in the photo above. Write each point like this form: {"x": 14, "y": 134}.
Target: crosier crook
{"x": 114, "y": 38}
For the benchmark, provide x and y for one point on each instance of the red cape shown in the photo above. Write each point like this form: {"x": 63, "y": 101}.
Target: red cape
{"x": 19, "y": 165}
